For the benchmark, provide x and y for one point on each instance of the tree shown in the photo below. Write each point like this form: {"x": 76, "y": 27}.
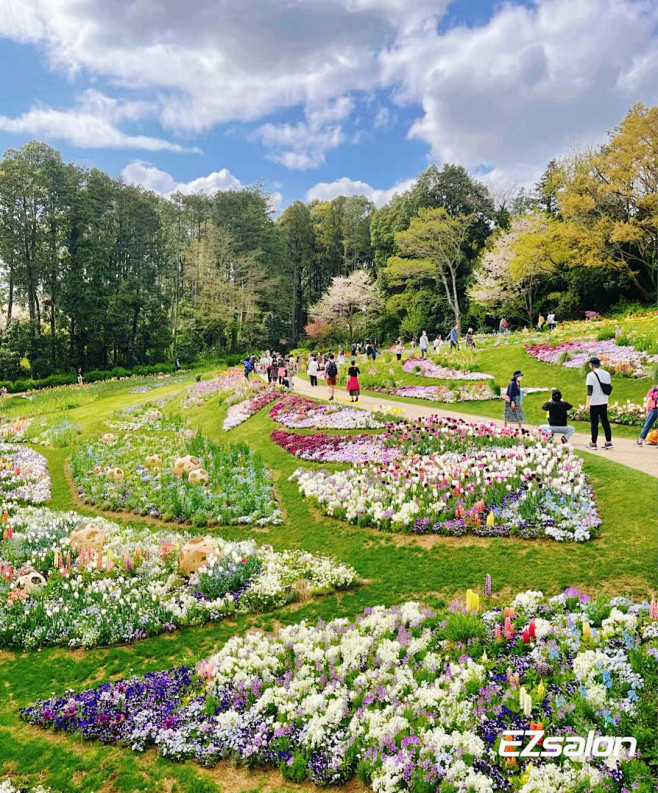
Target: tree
{"x": 609, "y": 202}
{"x": 349, "y": 304}
{"x": 296, "y": 225}
{"x": 436, "y": 246}
{"x": 514, "y": 268}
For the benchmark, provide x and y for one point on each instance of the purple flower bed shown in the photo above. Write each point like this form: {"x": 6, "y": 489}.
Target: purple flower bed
{"x": 621, "y": 359}
{"x": 322, "y": 448}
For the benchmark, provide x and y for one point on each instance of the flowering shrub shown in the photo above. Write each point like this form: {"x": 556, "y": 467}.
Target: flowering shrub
{"x": 458, "y": 478}
{"x": 629, "y": 413}
{"x": 134, "y": 587}
{"x": 241, "y": 411}
{"x": 410, "y": 700}
{"x": 322, "y": 448}
{"x": 23, "y": 474}
{"x": 230, "y": 386}
{"x": 619, "y": 359}
{"x": 297, "y": 412}
{"x": 15, "y": 429}
{"x": 427, "y": 368}
{"x": 441, "y": 393}
{"x": 114, "y": 475}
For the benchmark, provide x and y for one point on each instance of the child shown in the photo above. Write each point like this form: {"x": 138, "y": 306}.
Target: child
{"x": 651, "y": 407}
{"x": 353, "y": 382}
{"x": 557, "y": 417}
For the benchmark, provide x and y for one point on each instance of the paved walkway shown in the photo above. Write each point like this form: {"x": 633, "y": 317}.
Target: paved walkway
{"x": 643, "y": 459}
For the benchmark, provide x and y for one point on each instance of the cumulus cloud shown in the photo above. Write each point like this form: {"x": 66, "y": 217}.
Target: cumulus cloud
{"x": 92, "y": 123}
{"x": 152, "y": 178}
{"x": 302, "y": 146}
{"x": 326, "y": 191}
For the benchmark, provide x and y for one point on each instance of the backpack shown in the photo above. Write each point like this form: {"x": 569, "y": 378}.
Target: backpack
{"x": 605, "y": 387}
{"x": 332, "y": 369}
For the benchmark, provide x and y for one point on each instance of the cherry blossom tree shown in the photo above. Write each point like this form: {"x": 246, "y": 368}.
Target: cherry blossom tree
{"x": 349, "y": 304}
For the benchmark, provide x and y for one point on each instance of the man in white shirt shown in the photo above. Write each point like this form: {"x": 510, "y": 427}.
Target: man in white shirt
{"x": 424, "y": 344}
{"x": 599, "y": 389}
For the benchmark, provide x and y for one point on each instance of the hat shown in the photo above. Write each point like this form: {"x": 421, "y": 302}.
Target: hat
{"x": 556, "y": 395}
{"x": 518, "y": 373}
{"x": 470, "y": 330}
{"x": 595, "y": 361}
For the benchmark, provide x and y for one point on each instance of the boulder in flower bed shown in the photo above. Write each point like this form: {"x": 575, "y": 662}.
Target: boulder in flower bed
{"x": 410, "y": 699}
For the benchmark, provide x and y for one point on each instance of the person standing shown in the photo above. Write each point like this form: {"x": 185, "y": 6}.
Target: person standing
{"x": 80, "y": 377}
{"x": 177, "y": 365}
{"x": 398, "y": 350}
{"x": 353, "y": 385}
{"x": 599, "y": 389}
{"x": 469, "y": 339}
{"x": 332, "y": 375}
{"x": 375, "y": 352}
{"x": 312, "y": 371}
{"x": 292, "y": 371}
{"x": 413, "y": 343}
{"x": 454, "y": 338}
{"x": 424, "y": 344}
{"x": 368, "y": 349}
{"x": 540, "y": 322}
{"x": 651, "y": 407}
{"x": 513, "y": 397}
{"x": 550, "y": 321}
{"x": 281, "y": 370}
{"x": 437, "y": 343}
{"x": 341, "y": 357}
{"x": 558, "y": 412}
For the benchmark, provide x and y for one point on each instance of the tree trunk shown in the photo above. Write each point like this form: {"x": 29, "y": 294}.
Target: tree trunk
{"x": 10, "y": 303}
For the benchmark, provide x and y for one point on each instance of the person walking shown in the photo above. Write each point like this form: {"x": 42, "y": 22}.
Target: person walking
{"x": 292, "y": 371}
{"x": 80, "y": 377}
{"x": 413, "y": 342}
{"x": 424, "y": 344}
{"x": 454, "y": 338}
{"x": 550, "y": 320}
{"x": 469, "y": 339}
{"x": 281, "y": 370}
{"x": 513, "y": 397}
{"x": 312, "y": 371}
{"x": 438, "y": 341}
{"x": 341, "y": 357}
{"x": 558, "y": 412}
{"x": 651, "y": 407}
{"x": 177, "y": 365}
{"x": 599, "y": 389}
{"x": 353, "y": 385}
{"x": 248, "y": 367}
{"x": 398, "y": 350}
{"x": 540, "y": 322}
{"x": 332, "y": 375}
{"x": 375, "y": 352}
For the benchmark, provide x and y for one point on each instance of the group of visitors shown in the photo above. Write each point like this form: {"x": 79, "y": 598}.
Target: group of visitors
{"x": 424, "y": 343}
{"x": 548, "y": 321}
{"x": 599, "y": 388}
{"x": 327, "y": 367}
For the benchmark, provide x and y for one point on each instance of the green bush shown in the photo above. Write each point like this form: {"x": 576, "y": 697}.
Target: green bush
{"x": 623, "y": 341}
{"x": 605, "y": 335}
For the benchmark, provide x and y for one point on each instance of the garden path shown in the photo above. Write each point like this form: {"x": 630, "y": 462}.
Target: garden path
{"x": 625, "y": 451}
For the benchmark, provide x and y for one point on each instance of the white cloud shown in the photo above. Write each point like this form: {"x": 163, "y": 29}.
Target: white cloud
{"x": 91, "y": 124}
{"x": 303, "y": 146}
{"x": 383, "y": 118}
{"x": 152, "y": 178}
{"x": 509, "y": 94}
{"x": 326, "y": 191}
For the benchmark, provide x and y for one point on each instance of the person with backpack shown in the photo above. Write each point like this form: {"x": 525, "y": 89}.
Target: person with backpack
{"x": 353, "y": 385}
{"x": 513, "y": 397}
{"x": 558, "y": 412}
{"x": 599, "y": 389}
{"x": 332, "y": 374}
{"x": 651, "y": 407}
{"x": 248, "y": 367}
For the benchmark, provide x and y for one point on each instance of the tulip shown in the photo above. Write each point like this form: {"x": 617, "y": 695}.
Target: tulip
{"x": 587, "y": 630}
{"x": 653, "y": 609}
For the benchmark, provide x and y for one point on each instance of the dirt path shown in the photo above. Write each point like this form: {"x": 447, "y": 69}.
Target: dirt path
{"x": 643, "y": 459}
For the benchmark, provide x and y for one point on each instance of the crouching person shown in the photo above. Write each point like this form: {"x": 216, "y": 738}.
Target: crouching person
{"x": 557, "y": 417}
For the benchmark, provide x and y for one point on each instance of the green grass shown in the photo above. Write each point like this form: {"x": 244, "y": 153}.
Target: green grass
{"x": 396, "y": 568}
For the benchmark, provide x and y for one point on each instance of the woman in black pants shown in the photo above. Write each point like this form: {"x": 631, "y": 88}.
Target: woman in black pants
{"x": 599, "y": 389}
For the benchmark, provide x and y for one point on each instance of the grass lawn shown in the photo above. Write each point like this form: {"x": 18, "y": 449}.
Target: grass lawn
{"x": 396, "y": 567}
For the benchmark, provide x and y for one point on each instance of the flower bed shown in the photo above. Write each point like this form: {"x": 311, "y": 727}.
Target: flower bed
{"x": 113, "y": 473}
{"x": 458, "y": 478}
{"x": 619, "y": 359}
{"x": 424, "y": 367}
{"x": 237, "y": 414}
{"x": 134, "y": 585}
{"x": 410, "y": 700}
{"x": 297, "y": 412}
{"x": 440, "y": 393}
{"x": 322, "y": 448}
{"x": 135, "y": 417}
{"x": 630, "y": 414}
{"x": 23, "y": 474}
{"x": 7, "y": 786}
{"x": 14, "y": 429}
{"x": 230, "y": 386}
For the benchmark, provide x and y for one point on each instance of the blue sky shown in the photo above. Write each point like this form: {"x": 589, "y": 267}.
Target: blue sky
{"x": 320, "y": 97}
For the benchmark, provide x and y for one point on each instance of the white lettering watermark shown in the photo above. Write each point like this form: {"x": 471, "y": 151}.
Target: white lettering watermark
{"x": 542, "y": 745}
